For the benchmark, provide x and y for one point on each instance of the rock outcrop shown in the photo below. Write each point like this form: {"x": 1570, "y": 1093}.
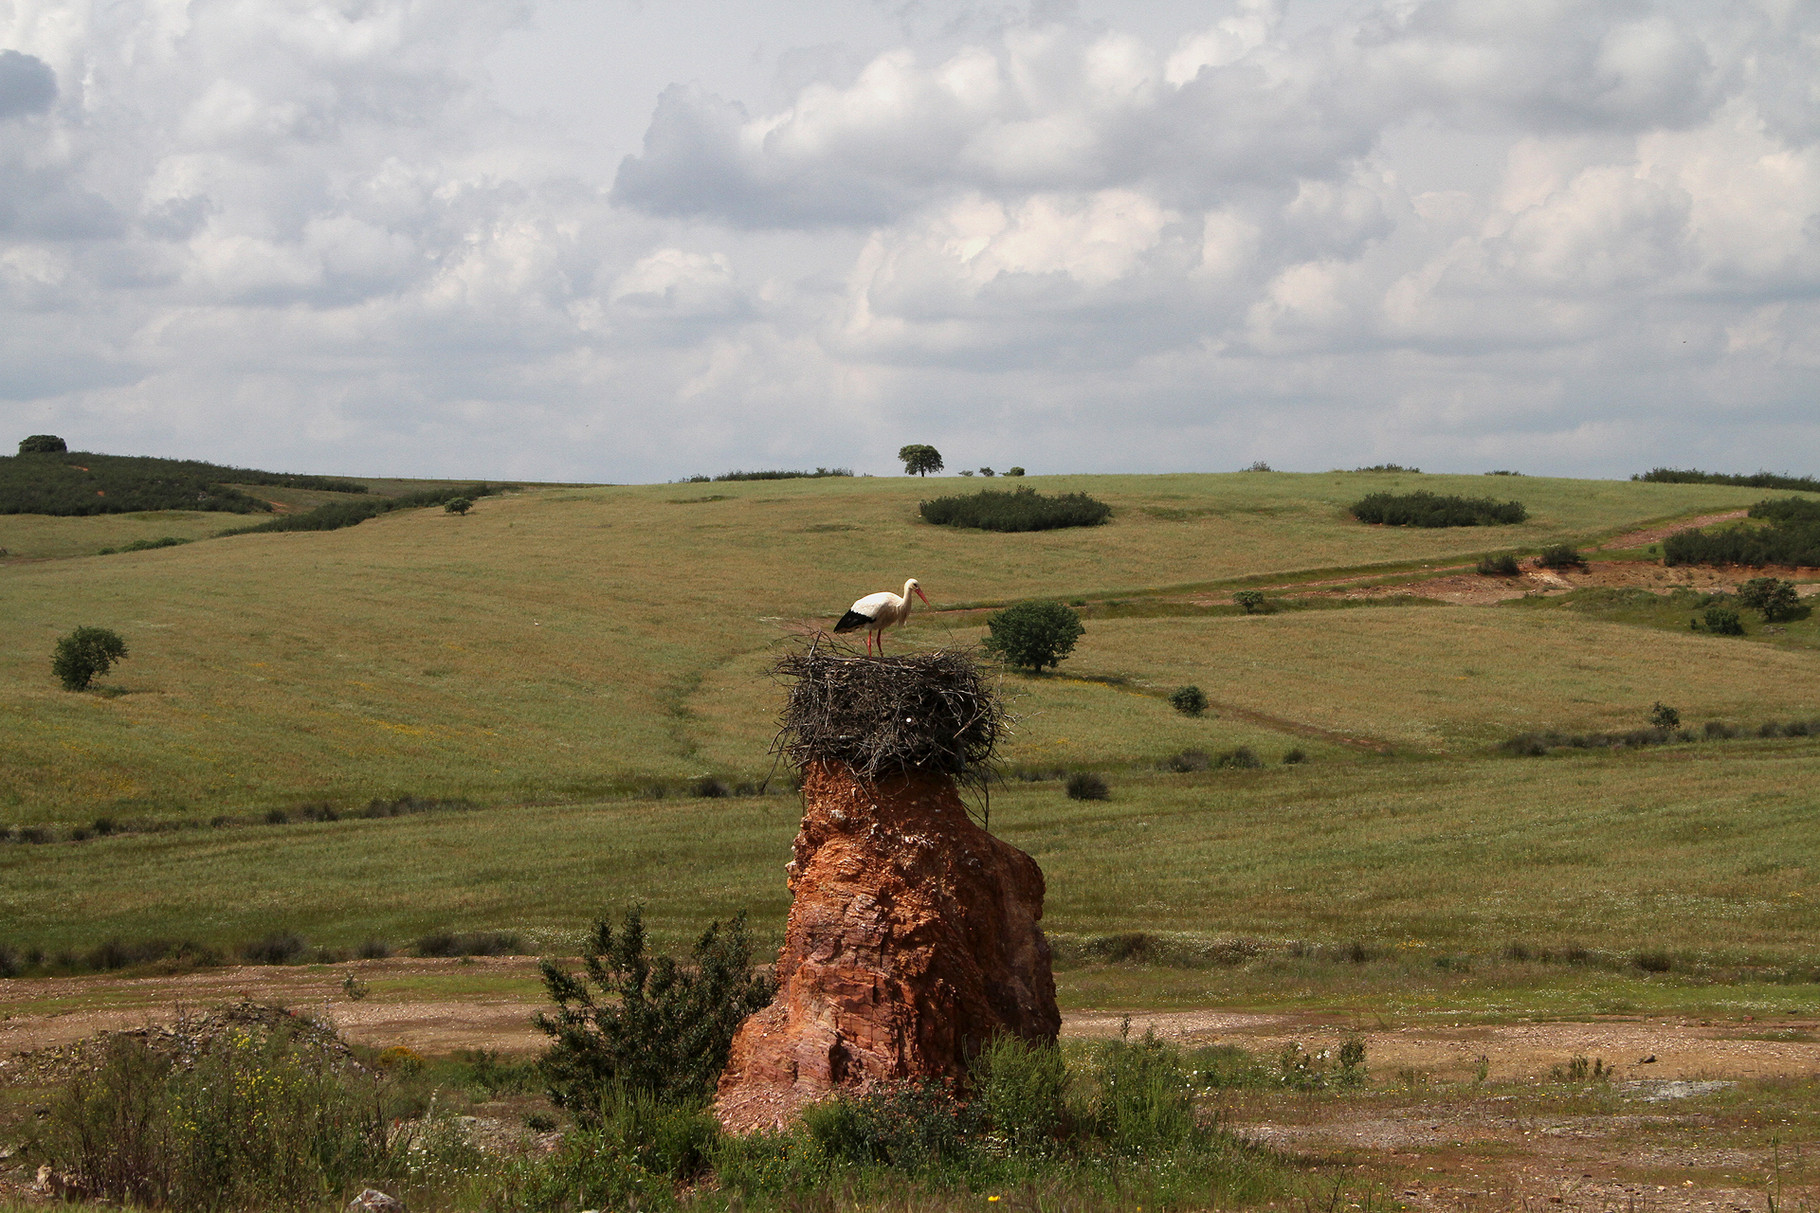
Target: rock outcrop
{"x": 913, "y": 939}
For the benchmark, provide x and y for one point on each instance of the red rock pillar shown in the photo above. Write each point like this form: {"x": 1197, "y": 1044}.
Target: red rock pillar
{"x": 912, "y": 940}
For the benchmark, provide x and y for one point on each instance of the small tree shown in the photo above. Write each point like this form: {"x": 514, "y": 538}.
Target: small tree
{"x": 1014, "y": 470}
{"x": 920, "y": 459}
{"x": 1032, "y": 635}
{"x": 1253, "y": 602}
{"x": 43, "y": 444}
{"x": 1776, "y": 599}
{"x": 1664, "y": 717}
{"x": 1723, "y": 620}
{"x": 459, "y": 505}
{"x": 657, "y": 1028}
{"x": 85, "y": 653}
{"x": 1562, "y": 556}
{"x": 1189, "y": 701}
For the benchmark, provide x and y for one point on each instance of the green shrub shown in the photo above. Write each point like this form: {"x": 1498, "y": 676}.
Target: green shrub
{"x": 1352, "y": 1071}
{"x": 1721, "y": 620}
{"x": 1189, "y": 700}
{"x": 1032, "y": 635}
{"x": 1776, "y": 600}
{"x": 1186, "y": 761}
{"x": 1792, "y": 537}
{"x": 656, "y": 1027}
{"x": 1499, "y": 566}
{"x": 1014, "y": 470}
{"x": 1253, "y": 602}
{"x": 1021, "y": 509}
{"x": 1085, "y": 785}
{"x": 1020, "y": 1089}
{"x": 469, "y": 943}
{"x": 1242, "y": 758}
{"x": 84, "y": 483}
{"x": 85, "y": 653}
{"x": 458, "y": 505}
{"x": 335, "y": 515}
{"x": 1427, "y": 509}
{"x": 1143, "y": 1104}
{"x": 1562, "y": 556}
{"x": 1294, "y": 756}
{"x": 1661, "y": 716}
{"x": 911, "y": 1126}
{"x": 817, "y": 474}
{"x": 42, "y": 444}
{"x": 251, "y": 1119}
{"x": 1760, "y": 480}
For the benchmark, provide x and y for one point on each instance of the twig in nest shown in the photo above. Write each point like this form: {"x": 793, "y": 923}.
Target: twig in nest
{"x": 879, "y": 716}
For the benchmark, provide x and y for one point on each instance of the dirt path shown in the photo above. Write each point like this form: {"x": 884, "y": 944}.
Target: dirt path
{"x": 1657, "y": 1138}
{"x": 1656, "y": 534}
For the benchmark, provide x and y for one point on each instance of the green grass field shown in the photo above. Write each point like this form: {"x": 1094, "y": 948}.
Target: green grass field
{"x": 559, "y": 653}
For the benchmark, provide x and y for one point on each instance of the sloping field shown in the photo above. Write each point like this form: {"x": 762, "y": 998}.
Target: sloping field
{"x": 569, "y": 643}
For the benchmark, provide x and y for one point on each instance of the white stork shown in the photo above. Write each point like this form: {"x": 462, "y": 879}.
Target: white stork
{"x": 876, "y": 612}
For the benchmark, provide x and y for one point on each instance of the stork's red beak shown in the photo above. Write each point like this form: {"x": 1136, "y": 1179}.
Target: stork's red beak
{"x": 923, "y": 596}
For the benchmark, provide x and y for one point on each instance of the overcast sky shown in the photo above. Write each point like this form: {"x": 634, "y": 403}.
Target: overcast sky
{"x": 632, "y": 241}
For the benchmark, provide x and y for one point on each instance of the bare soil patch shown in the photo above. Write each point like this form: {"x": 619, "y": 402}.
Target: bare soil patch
{"x": 1659, "y": 1136}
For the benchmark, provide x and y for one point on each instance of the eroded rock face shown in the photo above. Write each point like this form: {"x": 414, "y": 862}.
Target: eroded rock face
{"x": 912, "y": 940}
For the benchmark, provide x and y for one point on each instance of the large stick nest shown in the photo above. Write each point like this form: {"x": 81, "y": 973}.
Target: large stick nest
{"x": 880, "y": 716}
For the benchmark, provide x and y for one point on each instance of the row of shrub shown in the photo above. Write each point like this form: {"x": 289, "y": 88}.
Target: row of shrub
{"x": 817, "y": 474}
{"x": 109, "y": 827}
{"x": 1021, "y": 509}
{"x": 85, "y": 483}
{"x": 1756, "y": 480}
{"x": 1538, "y": 743}
{"x": 277, "y": 948}
{"x": 333, "y": 515}
{"x": 1427, "y": 509}
{"x": 1792, "y": 537}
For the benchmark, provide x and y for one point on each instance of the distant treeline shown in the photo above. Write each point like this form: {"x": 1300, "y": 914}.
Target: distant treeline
{"x": 1792, "y": 538}
{"x": 334, "y": 515}
{"x": 1432, "y": 509}
{"x": 1760, "y": 480}
{"x": 69, "y": 484}
{"x": 1022, "y": 510}
{"x": 779, "y": 475}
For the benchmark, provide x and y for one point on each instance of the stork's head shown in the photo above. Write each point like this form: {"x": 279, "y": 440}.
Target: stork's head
{"x": 911, "y": 587}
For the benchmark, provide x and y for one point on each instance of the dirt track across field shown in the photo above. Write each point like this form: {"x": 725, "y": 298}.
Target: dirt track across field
{"x": 1430, "y": 1129}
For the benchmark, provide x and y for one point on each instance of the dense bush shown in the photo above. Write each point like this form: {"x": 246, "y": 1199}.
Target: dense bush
{"x": 1020, "y": 1090}
{"x": 1758, "y": 480}
{"x": 1032, "y": 635}
{"x": 85, "y": 653}
{"x": 1020, "y": 509}
{"x": 1144, "y": 1104}
{"x": 457, "y": 505}
{"x": 1189, "y": 700}
{"x": 1241, "y": 758}
{"x": 334, "y": 515}
{"x": 253, "y": 1119}
{"x": 1253, "y": 602}
{"x": 656, "y": 1027}
{"x": 146, "y": 545}
{"x": 1721, "y": 620}
{"x": 1085, "y": 785}
{"x": 469, "y": 943}
{"x": 1792, "y": 538}
{"x": 43, "y": 444}
{"x": 909, "y": 1126}
{"x": 84, "y": 483}
{"x": 1661, "y": 716}
{"x": 1433, "y": 510}
{"x": 817, "y": 474}
{"x": 1776, "y": 600}
{"x": 1561, "y": 556}
{"x": 1499, "y": 566}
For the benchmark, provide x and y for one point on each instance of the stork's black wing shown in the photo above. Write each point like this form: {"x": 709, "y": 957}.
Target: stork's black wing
{"x": 852, "y": 620}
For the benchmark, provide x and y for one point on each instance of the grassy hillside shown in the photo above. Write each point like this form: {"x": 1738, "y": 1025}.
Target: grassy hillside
{"x": 572, "y": 643}
{"x": 558, "y": 651}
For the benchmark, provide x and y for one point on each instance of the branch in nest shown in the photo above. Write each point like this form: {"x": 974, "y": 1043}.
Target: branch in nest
{"x": 879, "y": 716}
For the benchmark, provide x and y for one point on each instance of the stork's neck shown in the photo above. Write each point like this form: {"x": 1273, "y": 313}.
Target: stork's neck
{"x": 909, "y": 593}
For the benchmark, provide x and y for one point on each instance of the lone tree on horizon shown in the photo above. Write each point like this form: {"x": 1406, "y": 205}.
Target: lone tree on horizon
{"x": 43, "y": 444}
{"x": 920, "y": 459}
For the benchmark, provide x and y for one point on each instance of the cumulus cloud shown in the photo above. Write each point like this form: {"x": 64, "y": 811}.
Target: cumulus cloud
{"x": 1441, "y": 231}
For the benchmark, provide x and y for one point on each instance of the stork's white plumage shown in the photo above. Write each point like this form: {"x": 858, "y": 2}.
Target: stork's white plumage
{"x": 876, "y": 612}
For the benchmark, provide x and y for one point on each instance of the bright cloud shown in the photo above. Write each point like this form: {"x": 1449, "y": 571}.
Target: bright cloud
{"x": 311, "y": 233}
